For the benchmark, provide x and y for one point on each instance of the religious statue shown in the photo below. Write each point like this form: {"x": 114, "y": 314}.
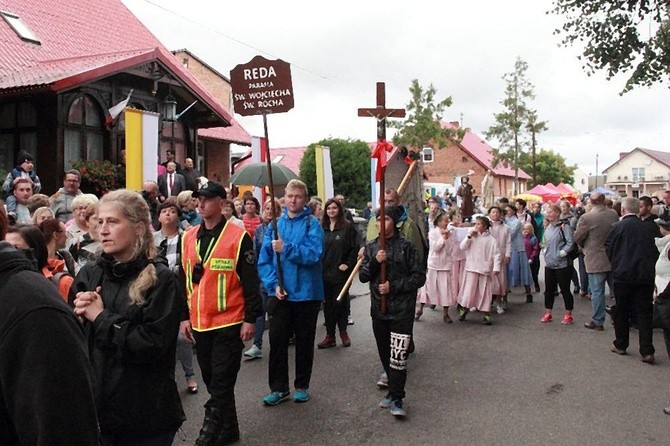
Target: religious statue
{"x": 466, "y": 193}
{"x": 487, "y": 190}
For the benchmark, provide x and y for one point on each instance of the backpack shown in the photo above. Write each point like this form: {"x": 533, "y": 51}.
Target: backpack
{"x": 574, "y": 251}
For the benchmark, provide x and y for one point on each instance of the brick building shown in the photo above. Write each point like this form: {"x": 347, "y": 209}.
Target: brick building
{"x": 448, "y": 164}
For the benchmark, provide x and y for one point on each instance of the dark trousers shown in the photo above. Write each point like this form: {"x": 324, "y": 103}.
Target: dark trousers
{"x": 554, "y": 279}
{"x": 535, "y": 271}
{"x": 636, "y": 300}
{"x": 335, "y": 312}
{"x": 288, "y": 318}
{"x": 219, "y": 354}
{"x": 393, "y": 339}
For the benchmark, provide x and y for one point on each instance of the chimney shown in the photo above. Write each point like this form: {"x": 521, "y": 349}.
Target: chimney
{"x": 456, "y": 124}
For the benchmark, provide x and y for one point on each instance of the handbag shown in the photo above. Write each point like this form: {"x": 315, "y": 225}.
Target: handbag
{"x": 661, "y": 315}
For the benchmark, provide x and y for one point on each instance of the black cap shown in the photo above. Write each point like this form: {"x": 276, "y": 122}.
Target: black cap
{"x": 395, "y": 212}
{"x": 210, "y": 190}
{"x": 23, "y": 156}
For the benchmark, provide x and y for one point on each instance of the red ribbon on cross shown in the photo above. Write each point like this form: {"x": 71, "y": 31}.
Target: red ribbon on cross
{"x": 380, "y": 153}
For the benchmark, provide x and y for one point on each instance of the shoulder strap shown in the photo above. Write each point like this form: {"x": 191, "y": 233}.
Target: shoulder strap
{"x": 560, "y": 228}
{"x": 55, "y": 279}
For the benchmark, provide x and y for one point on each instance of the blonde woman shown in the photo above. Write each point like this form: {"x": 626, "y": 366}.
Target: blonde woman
{"x": 131, "y": 313}
{"x": 188, "y": 205}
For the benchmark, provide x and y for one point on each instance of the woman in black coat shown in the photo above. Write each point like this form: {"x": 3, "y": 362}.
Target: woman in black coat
{"x": 339, "y": 258}
{"x": 131, "y": 309}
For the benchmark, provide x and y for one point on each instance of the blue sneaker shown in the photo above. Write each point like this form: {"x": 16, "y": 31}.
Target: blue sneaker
{"x": 397, "y": 409}
{"x": 275, "y": 398}
{"x": 300, "y": 396}
{"x": 386, "y": 402}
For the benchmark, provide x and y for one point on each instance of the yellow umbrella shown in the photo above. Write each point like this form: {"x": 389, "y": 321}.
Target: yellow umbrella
{"x": 528, "y": 197}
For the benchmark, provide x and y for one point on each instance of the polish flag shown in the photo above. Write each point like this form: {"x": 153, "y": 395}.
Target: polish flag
{"x": 117, "y": 109}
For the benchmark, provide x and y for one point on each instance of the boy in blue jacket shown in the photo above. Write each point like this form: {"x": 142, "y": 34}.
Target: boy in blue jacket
{"x": 295, "y": 308}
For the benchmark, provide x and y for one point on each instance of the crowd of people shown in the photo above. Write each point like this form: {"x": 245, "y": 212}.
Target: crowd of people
{"x": 132, "y": 282}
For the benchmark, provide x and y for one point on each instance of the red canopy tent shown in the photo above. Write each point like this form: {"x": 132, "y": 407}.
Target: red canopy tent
{"x": 567, "y": 193}
{"x": 547, "y": 194}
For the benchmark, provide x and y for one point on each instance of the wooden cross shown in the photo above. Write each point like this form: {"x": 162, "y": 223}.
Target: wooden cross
{"x": 381, "y": 113}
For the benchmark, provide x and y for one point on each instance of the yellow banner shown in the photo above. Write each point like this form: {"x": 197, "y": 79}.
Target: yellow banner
{"x": 133, "y": 149}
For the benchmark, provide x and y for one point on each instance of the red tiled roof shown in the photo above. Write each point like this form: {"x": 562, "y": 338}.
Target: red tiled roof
{"x": 234, "y": 133}
{"x": 76, "y": 38}
{"x": 290, "y": 157}
{"x": 483, "y": 153}
{"x": 69, "y": 29}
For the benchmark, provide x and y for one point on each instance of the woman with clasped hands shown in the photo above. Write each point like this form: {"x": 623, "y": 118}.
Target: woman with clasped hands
{"x": 128, "y": 302}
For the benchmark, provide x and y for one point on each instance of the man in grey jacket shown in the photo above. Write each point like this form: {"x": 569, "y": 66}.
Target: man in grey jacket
{"x": 591, "y": 233}
{"x": 61, "y": 201}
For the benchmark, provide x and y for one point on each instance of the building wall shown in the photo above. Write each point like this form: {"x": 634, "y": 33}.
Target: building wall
{"x": 211, "y": 80}
{"x": 217, "y": 160}
{"x": 620, "y": 176}
{"x": 451, "y": 163}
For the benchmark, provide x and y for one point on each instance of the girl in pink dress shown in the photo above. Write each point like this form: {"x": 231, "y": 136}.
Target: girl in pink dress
{"x": 439, "y": 289}
{"x": 501, "y": 234}
{"x": 458, "y": 256}
{"x": 482, "y": 262}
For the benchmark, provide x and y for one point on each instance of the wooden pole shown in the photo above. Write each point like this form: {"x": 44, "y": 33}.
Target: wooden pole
{"x": 349, "y": 281}
{"x": 268, "y": 163}
{"x": 381, "y": 113}
{"x": 408, "y": 176}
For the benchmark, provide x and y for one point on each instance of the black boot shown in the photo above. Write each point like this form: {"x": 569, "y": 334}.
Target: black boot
{"x": 211, "y": 427}
{"x": 230, "y": 430}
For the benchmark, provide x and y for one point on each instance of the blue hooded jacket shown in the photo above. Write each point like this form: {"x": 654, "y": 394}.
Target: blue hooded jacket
{"x": 300, "y": 259}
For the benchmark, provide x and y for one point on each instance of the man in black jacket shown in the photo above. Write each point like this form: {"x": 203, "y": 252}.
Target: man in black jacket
{"x": 632, "y": 253}
{"x": 46, "y": 395}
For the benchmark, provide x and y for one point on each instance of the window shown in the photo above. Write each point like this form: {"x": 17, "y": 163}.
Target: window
{"x": 427, "y": 154}
{"x": 84, "y": 132}
{"x": 18, "y": 131}
{"x": 173, "y": 138}
{"x": 638, "y": 174}
{"x": 19, "y": 27}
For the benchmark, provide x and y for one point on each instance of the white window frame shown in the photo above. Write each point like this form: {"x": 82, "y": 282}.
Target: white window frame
{"x": 428, "y": 155}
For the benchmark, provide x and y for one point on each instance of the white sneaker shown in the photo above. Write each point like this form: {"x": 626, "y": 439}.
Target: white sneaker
{"x": 504, "y": 305}
{"x": 500, "y": 309}
{"x": 253, "y": 353}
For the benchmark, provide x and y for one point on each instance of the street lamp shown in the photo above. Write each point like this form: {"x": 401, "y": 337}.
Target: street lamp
{"x": 169, "y": 107}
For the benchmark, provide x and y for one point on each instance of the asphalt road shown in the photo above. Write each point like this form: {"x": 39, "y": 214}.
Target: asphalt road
{"x": 518, "y": 382}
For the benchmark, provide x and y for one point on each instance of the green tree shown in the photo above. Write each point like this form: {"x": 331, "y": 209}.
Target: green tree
{"x": 550, "y": 167}
{"x": 422, "y": 128}
{"x": 619, "y": 36}
{"x": 351, "y": 169}
{"x": 512, "y": 124}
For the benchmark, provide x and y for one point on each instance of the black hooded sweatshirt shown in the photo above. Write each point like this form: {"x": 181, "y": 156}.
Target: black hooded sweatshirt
{"x": 46, "y": 395}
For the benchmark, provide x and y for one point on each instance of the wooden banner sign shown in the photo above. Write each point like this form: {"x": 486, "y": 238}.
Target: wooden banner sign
{"x": 262, "y": 86}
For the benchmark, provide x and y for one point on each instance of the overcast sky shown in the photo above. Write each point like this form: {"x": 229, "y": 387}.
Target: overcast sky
{"x": 339, "y": 50}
